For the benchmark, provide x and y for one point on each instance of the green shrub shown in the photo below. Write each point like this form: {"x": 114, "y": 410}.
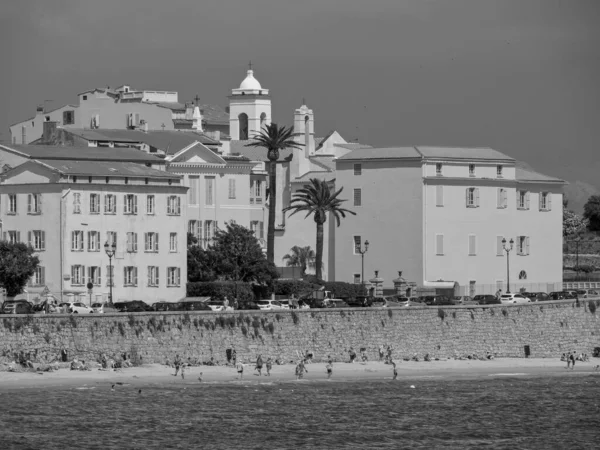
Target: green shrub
{"x": 592, "y": 306}
{"x": 131, "y": 320}
{"x": 219, "y": 289}
{"x": 121, "y": 328}
{"x": 441, "y": 314}
{"x": 341, "y": 289}
{"x": 295, "y": 317}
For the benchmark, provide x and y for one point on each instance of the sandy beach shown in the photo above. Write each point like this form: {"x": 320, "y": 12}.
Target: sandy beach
{"x": 161, "y": 375}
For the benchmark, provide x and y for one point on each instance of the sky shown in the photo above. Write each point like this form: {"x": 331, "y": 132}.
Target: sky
{"x": 521, "y": 76}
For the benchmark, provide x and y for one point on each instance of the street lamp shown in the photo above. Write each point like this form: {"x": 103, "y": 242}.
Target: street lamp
{"x": 110, "y": 250}
{"x": 507, "y": 250}
{"x": 362, "y": 262}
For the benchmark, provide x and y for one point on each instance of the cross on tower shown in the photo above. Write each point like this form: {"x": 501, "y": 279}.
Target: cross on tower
{"x": 250, "y": 65}
{"x": 197, "y": 99}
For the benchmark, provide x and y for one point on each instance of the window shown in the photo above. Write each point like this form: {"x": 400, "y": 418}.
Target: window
{"x": 109, "y": 276}
{"x": 545, "y": 201}
{"x": 499, "y": 171}
{"x": 472, "y": 195}
{"x": 37, "y": 239}
{"x": 130, "y": 204}
{"x": 522, "y": 275}
{"x": 77, "y": 241}
{"x": 471, "y": 170}
{"x": 522, "y": 200}
{"x": 357, "y": 169}
{"x": 261, "y": 230}
{"x": 499, "y": 247}
{"x": 258, "y": 188}
{"x": 209, "y": 231}
{"x": 110, "y": 204}
{"x": 357, "y": 244}
{"x": 194, "y": 227}
{"x": 111, "y": 237}
{"x": 193, "y": 192}
{"x": 84, "y": 97}
{"x": 258, "y": 228}
{"x": 129, "y": 276}
{"x": 438, "y": 169}
{"x": 501, "y": 198}
{"x": 439, "y": 196}
{"x": 77, "y": 275}
{"x": 357, "y": 197}
{"x": 472, "y": 245}
{"x": 94, "y": 203}
{"x": 256, "y": 192}
{"x": 439, "y": 244}
{"x": 153, "y": 278}
{"x": 93, "y": 275}
{"x": 39, "y": 276}
{"x": 150, "y": 204}
{"x": 173, "y": 242}
{"x": 76, "y": 203}
{"x": 132, "y": 242}
{"x": 173, "y": 205}
{"x": 356, "y": 278}
{"x": 523, "y": 245}
{"x": 93, "y": 241}
{"x": 173, "y": 276}
{"x": 232, "y": 188}
{"x": 68, "y": 117}
{"x": 12, "y": 204}
{"x": 34, "y": 204}
{"x": 151, "y": 242}
{"x": 210, "y": 186}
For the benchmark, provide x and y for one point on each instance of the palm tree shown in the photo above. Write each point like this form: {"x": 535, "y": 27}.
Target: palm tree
{"x": 300, "y": 256}
{"x": 317, "y": 199}
{"x": 273, "y": 138}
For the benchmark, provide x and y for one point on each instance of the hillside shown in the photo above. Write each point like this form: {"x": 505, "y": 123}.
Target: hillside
{"x": 578, "y": 192}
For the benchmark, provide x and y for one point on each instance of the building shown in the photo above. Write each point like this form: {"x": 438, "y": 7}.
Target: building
{"x": 67, "y": 209}
{"x": 441, "y": 214}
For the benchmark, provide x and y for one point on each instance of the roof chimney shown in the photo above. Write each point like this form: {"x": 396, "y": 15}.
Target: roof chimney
{"x": 49, "y": 133}
{"x": 39, "y": 110}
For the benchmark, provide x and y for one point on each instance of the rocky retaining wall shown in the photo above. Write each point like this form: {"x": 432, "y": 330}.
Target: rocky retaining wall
{"x": 548, "y": 328}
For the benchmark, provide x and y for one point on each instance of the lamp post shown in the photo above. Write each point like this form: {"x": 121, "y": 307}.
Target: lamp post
{"x": 362, "y": 252}
{"x": 507, "y": 250}
{"x": 110, "y": 250}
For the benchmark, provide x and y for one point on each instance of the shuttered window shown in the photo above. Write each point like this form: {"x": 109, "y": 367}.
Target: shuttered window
{"x": 358, "y": 197}
{"x": 472, "y": 197}
{"x": 193, "y": 192}
{"x": 232, "y": 188}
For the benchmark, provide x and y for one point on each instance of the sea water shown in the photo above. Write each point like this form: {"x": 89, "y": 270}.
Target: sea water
{"x": 501, "y": 412}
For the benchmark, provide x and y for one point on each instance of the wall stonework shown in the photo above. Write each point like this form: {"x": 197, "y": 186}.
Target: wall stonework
{"x": 549, "y": 328}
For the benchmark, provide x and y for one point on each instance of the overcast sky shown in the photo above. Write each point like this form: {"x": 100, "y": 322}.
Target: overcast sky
{"x": 520, "y": 76}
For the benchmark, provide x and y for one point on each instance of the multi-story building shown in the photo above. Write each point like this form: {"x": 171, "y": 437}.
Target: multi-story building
{"x": 69, "y": 209}
{"x": 443, "y": 213}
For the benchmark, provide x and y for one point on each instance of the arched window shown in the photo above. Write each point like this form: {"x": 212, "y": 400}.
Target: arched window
{"x": 263, "y": 120}
{"x": 243, "y": 120}
{"x": 306, "y": 130}
{"x": 522, "y": 275}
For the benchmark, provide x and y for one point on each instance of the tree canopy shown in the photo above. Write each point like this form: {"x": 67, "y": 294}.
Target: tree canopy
{"x": 303, "y": 257}
{"x": 235, "y": 254}
{"x": 573, "y": 224}
{"x": 591, "y": 211}
{"x": 17, "y": 265}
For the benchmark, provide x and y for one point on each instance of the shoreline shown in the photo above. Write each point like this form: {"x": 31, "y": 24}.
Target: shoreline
{"x": 158, "y": 375}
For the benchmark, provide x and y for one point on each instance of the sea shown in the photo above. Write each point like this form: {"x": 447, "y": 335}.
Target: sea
{"x": 507, "y": 411}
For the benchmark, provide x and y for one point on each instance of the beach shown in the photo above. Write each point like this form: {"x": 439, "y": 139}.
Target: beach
{"x": 158, "y": 374}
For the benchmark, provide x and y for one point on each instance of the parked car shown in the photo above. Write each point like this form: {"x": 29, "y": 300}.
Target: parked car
{"x": 537, "y": 296}
{"x": 103, "y": 308}
{"x": 285, "y": 304}
{"x": 247, "y": 305}
{"x": 189, "y": 306}
{"x": 483, "y": 299}
{"x": 77, "y": 308}
{"x": 337, "y": 303}
{"x": 514, "y": 299}
{"x": 437, "y": 300}
{"x": 570, "y": 293}
{"x": 378, "y": 302}
{"x": 582, "y": 293}
{"x": 557, "y": 295}
{"x": 133, "y": 306}
{"x": 464, "y": 300}
{"x": 218, "y": 306}
{"x": 593, "y": 293}
{"x": 359, "y": 302}
{"x": 269, "y": 305}
{"x": 395, "y": 302}
{"x": 17, "y": 307}
{"x": 314, "y": 303}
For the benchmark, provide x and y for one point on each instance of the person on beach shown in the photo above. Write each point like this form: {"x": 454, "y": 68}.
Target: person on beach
{"x": 329, "y": 368}
{"x": 300, "y": 369}
{"x": 183, "y": 371}
{"x": 388, "y": 358}
{"x": 395, "y": 370}
{"x": 240, "y": 369}
{"x": 352, "y": 355}
{"x": 177, "y": 364}
{"x": 269, "y": 366}
{"x": 381, "y": 352}
{"x": 572, "y": 359}
{"x": 233, "y": 355}
{"x": 259, "y": 364}
{"x": 498, "y": 294}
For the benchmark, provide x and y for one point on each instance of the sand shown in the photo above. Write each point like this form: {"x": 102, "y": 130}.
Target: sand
{"x": 160, "y": 375}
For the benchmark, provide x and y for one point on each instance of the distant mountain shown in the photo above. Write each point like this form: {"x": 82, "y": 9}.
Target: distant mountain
{"x": 578, "y": 192}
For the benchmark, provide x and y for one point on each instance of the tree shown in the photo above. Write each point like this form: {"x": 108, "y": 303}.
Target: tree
{"x": 273, "y": 138}
{"x": 200, "y": 264}
{"x": 317, "y": 199}
{"x": 300, "y": 256}
{"x": 591, "y": 211}
{"x": 17, "y": 264}
{"x": 573, "y": 224}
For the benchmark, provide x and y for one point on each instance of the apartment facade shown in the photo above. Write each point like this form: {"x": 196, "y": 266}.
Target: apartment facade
{"x": 442, "y": 213}
{"x": 67, "y": 210}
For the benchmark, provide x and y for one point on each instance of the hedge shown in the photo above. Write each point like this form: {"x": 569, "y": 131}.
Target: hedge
{"x": 219, "y": 289}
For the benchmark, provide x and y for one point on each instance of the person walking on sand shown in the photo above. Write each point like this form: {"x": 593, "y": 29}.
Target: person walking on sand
{"x": 572, "y": 359}
{"x": 395, "y": 370}
{"x": 381, "y": 352}
{"x": 259, "y": 364}
{"x": 329, "y": 368}
{"x": 269, "y": 366}
{"x": 300, "y": 369}
{"x": 352, "y": 355}
{"x": 183, "y": 371}
{"x": 177, "y": 364}
{"x": 240, "y": 369}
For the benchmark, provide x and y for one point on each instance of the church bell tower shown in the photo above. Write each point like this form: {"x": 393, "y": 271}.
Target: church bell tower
{"x": 249, "y": 108}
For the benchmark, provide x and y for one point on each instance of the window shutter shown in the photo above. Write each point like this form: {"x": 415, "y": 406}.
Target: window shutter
{"x": 135, "y": 204}
{"x": 135, "y": 278}
{"x": 178, "y": 274}
{"x": 262, "y": 229}
{"x": 439, "y": 195}
{"x": 125, "y": 276}
{"x": 540, "y": 201}
{"x": 178, "y": 206}
{"x": 527, "y": 200}
{"x": 439, "y": 242}
{"x": 476, "y": 199}
{"x": 89, "y": 275}
{"x": 99, "y": 275}
{"x": 29, "y": 203}
{"x": 156, "y": 242}
{"x": 149, "y": 275}
{"x": 81, "y": 244}
{"x": 549, "y": 201}
{"x": 467, "y": 197}
{"x": 146, "y": 242}
{"x": 72, "y": 274}
{"x": 135, "y": 248}
{"x": 29, "y": 238}
{"x": 527, "y": 245}
{"x": 40, "y": 203}
{"x": 72, "y": 240}
{"x": 125, "y": 203}
{"x": 504, "y": 198}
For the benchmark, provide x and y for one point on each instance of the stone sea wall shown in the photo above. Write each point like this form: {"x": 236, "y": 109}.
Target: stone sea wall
{"x": 548, "y": 328}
